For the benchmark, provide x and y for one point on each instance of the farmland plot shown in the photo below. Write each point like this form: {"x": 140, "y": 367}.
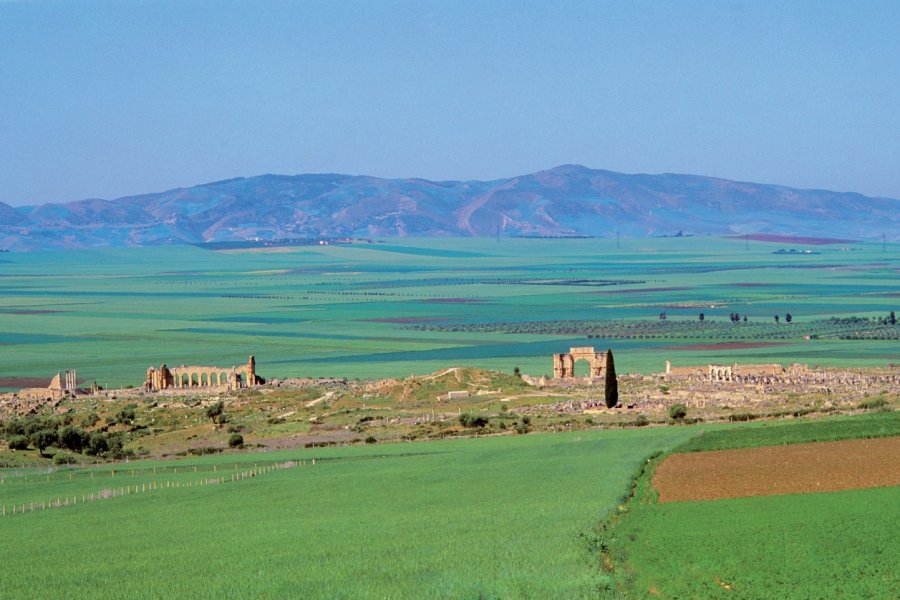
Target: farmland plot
{"x": 492, "y": 517}
{"x": 417, "y": 306}
{"x": 817, "y": 544}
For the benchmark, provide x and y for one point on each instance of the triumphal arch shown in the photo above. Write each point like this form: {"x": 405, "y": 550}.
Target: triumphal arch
{"x": 564, "y": 362}
{"x": 233, "y": 378}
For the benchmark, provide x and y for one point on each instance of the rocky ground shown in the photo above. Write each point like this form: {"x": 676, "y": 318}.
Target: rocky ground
{"x": 451, "y": 402}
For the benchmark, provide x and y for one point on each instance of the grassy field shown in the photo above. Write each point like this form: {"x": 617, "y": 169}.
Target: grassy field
{"x": 816, "y": 545}
{"x": 416, "y": 306}
{"x": 490, "y": 517}
{"x": 777, "y": 433}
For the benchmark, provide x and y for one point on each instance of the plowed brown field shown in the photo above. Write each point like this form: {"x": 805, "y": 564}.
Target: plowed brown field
{"x": 794, "y": 469}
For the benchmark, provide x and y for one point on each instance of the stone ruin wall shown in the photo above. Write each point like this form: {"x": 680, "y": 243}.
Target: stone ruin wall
{"x": 748, "y": 373}
{"x": 564, "y": 363}
{"x": 210, "y": 378}
{"x": 751, "y": 385}
{"x": 62, "y": 385}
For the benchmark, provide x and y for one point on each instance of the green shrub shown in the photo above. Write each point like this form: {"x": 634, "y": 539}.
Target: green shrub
{"x": 204, "y": 450}
{"x": 43, "y": 439}
{"x": 116, "y": 446}
{"x": 97, "y": 444}
{"x": 214, "y": 411}
{"x": 641, "y": 421}
{"x": 127, "y": 415}
{"x": 742, "y": 417}
{"x": 73, "y": 438}
{"x": 371, "y": 440}
{"x": 63, "y": 458}
{"x": 677, "y": 411}
{"x": 468, "y": 419}
{"x": 90, "y": 419}
{"x": 871, "y": 404}
{"x": 14, "y": 427}
{"x": 18, "y": 442}
{"x": 235, "y": 440}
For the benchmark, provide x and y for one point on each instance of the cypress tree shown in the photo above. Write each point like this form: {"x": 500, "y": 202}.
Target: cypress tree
{"x": 611, "y": 391}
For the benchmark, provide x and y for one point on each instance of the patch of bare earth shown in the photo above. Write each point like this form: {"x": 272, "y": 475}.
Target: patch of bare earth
{"x": 773, "y": 470}
{"x": 24, "y": 382}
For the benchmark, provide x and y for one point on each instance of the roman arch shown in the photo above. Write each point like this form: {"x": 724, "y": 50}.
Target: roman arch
{"x": 564, "y": 362}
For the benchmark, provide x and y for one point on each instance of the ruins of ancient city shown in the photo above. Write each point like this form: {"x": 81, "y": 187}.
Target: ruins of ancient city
{"x": 733, "y": 386}
{"x": 213, "y": 379}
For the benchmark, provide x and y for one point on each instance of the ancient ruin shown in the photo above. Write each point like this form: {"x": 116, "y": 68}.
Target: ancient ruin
{"x": 69, "y": 383}
{"x": 60, "y": 386}
{"x": 600, "y": 366}
{"x": 747, "y": 373}
{"x": 214, "y": 378}
{"x": 564, "y": 362}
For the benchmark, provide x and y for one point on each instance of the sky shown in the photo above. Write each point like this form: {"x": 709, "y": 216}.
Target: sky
{"x": 115, "y": 98}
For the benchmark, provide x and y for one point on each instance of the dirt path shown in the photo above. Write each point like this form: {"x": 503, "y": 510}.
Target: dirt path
{"x": 320, "y": 399}
{"x": 799, "y": 468}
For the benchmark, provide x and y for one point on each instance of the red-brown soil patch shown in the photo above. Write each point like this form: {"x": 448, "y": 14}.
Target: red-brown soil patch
{"x": 791, "y": 239}
{"x": 773, "y": 470}
{"x": 24, "y": 382}
{"x": 453, "y": 301}
{"x": 725, "y": 346}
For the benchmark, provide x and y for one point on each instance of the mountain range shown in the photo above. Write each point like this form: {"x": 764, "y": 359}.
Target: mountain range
{"x": 568, "y": 200}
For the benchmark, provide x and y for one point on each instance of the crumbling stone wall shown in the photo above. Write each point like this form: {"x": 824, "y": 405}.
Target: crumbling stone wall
{"x": 233, "y": 378}
{"x": 564, "y": 362}
{"x": 600, "y": 364}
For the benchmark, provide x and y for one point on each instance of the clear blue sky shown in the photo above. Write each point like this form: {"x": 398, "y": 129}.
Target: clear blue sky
{"x": 105, "y": 99}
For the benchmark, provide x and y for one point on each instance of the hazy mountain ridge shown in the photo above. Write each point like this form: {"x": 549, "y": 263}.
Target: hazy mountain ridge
{"x": 564, "y": 201}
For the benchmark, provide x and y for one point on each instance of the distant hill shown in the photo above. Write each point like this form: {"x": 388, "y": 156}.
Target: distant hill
{"x": 569, "y": 200}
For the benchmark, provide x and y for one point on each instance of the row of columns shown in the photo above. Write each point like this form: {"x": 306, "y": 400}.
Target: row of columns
{"x": 71, "y": 380}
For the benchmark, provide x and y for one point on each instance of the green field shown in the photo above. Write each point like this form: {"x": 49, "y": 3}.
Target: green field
{"x": 501, "y": 517}
{"x": 415, "y": 306}
{"x": 778, "y": 433}
{"x": 816, "y": 545}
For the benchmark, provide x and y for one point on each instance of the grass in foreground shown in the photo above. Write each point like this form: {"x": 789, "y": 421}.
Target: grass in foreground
{"x": 834, "y": 545}
{"x": 494, "y": 517}
{"x": 823, "y": 545}
{"x": 776, "y": 433}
